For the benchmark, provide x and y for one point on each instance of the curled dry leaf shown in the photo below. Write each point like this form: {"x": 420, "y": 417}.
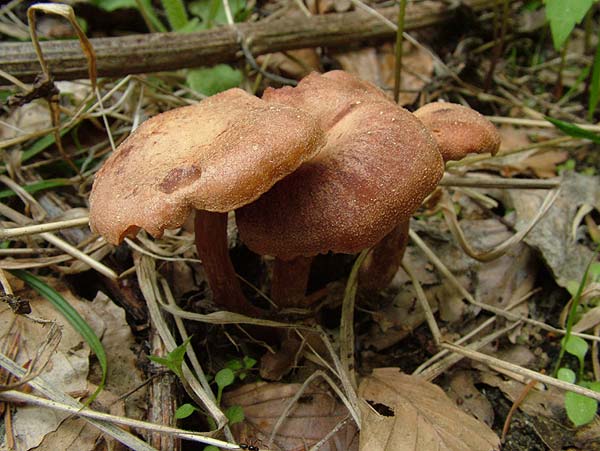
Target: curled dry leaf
{"x": 315, "y": 414}
{"x": 406, "y": 413}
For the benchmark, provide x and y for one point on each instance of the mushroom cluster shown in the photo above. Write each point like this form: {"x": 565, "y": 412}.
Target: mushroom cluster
{"x": 330, "y": 165}
{"x": 211, "y": 158}
{"x": 378, "y": 164}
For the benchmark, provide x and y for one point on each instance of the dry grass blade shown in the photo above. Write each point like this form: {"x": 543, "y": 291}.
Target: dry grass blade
{"x": 17, "y": 232}
{"x": 469, "y": 297}
{"x": 528, "y": 374}
{"x": 433, "y": 327}
{"x": 15, "y": 396}
{"x": 493, "y": 182}
{"x": 536, "y": 123}
{"x": 438, "y": 368}
{"x": 147, "y": 279}
{"x": 354, "y": 412}
{"x": 347, "y": 320}
{"x": 19, "y": 218}
{"x": 224, "y": 317}
{"x": 501, "y": 249}
{"x": 47, "y": 390}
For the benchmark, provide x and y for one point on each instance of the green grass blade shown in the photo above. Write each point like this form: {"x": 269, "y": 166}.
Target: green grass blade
{"x": 573, "y": 130}
{"x": 595, "y": 83}
{"x": 42, "y": 144}
{"x": 73, "y": 317}
{"x": 37, "y": 186}
{"x": 176, "y": 14}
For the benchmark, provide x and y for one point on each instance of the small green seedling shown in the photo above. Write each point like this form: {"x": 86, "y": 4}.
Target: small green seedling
{"x": 580, "y": 409}
{"x": 174, "y": 359}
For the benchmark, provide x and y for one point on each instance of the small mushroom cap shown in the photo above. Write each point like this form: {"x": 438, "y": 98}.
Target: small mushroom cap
{"x": 459, "y": 130}
{"x": 217, "y": 155}
{"x": 377, "y": 166}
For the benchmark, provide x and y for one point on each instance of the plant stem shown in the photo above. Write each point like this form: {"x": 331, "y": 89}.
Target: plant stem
{"x": 398, "y": 65}
{"x": 385, "y": 258}
{"x": 211, "y": 242}
{"x": 289, "y": 281}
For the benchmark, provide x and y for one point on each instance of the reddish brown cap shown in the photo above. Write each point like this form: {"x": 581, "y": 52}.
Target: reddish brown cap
{"x": 459, "y": 130}
{"x": 377, "y": 166}
{"x": 217, "y": 155}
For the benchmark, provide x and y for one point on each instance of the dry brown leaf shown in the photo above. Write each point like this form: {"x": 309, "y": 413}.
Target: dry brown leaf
{"x": 293, "y": 63}
{"x": 567, "y": 259}
{"x": 68, "y": 369}
{"x": 546, "y": 411}
{"x": 377, "y": 66}
{"x": 416, "y": 415}
{"x": 544, "y": 164}
{"x": 316, "y": 414}
{"x": 463, "y": 392}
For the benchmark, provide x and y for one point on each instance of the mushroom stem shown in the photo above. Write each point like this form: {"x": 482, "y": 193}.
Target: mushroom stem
{"x": 385, "y": 258}
{"x": 289, "y": 281}
{"x": 211, "y": 243}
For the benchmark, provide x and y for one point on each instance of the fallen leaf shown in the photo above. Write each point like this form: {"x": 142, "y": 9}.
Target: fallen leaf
{"x": 544, "y": 164}
{"x": 463, "y": 392}
{"x": 316, "y": 414}
{"x": 67, "y": 369}
{"x": 377, "y": 65}
{"x": 406, "y": 413}
{"x": 293, "y": 63}
{"x": 566, "y": 258}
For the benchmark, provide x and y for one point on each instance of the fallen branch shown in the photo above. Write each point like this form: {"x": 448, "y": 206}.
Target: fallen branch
{"x": 170, "y": 51}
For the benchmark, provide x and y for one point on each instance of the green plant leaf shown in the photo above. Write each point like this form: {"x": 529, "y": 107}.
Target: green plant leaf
{"x": 176, "y": 13}
{"x": 595, "y": 272}
{"x": 212, "y": 12}
{"x": 563, "y": 15}
{"x": 235, "y": 414}
{"x": 576, "y": 346}
{"x": 580, "y": 409}
{"x": 212, "y": 80}
{"x": 234, "y": 365}
{"x": 573, "y": 130}
{"x": 184, "y": 411}
{"x": 211, "y": 448}
{"x": 42, "y": 144}
{"x": 112, "y": 5}
{"x": 73, "y": 317}
{"x": 224, "y": 378}
{"x": 174, "y": 359}
{"x": 37, "y": 186}
{"x": 567, "y": 375}
{"x": 249, "y": 362}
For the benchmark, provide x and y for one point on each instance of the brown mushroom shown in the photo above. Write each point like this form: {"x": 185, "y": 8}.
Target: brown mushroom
{"x": 378, "y": 164}
{"x": 459, "y": 131}
{"x": 212, "y": 157}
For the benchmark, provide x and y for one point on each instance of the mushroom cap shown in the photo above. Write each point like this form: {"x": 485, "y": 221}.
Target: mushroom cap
{"x": 377, "y": 166}
{"x": 459, "y": 130}
{"x": 217, "y": 155}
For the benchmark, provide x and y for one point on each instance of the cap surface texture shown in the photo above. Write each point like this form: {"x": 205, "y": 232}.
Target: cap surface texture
{"x": 377, "y": 166}
{"x": 217, "y": 155}
{"x": 459, "y": 130}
